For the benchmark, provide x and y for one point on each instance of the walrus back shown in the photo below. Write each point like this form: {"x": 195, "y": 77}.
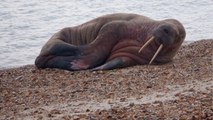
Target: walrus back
{"x": 87, "y": 32}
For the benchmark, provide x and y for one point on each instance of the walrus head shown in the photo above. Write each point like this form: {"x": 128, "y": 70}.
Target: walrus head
{"x": 169, "y": 35}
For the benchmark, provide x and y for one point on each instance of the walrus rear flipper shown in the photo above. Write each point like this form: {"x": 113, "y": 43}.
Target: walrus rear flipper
{"x": 116, "y": 63}
{"x": 61, "y": 62}
{"x": 58, "y": 56}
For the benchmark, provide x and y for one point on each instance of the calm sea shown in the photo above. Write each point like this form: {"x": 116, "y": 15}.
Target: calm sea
{"x": 25, "y": 25}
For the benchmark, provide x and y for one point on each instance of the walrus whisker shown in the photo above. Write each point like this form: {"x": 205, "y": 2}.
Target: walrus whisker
{"x": 147, "y": 43}
{"x": 156, "y": 53}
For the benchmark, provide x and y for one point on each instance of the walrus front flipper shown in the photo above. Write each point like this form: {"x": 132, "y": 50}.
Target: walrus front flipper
{"x": 116, "y": 63}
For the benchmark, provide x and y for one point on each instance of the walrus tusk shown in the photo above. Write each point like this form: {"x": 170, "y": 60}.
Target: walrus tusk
{"x": 159, "y": 49}
{"x": 147, "y": 43}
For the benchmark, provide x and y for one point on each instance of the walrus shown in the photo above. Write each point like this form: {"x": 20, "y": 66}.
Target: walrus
{"x": 113, "y": 41}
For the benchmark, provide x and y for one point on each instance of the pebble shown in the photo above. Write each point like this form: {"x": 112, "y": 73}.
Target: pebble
{"x": 76, "y": 117}
{"x": 33, "y": 70}
{"x": 50, "y": 115}
{"x": 87, "y": 110}
{"x": 122, "y": 99}
{"x": 55, "y": 111}
{"x": 149, "y": 86}
{"x": 19, "y": 78}
{"x": 131, "y": 104}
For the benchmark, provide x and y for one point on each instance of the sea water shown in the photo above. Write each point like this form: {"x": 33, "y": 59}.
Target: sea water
{"x": 25, "y": 25}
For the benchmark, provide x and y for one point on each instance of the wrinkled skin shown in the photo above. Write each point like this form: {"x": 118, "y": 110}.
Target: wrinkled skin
{"x": 111, "y": 41}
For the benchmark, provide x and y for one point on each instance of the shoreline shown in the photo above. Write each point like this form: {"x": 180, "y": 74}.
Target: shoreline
{"x": 182, "y": 89}
{"x": 13, "y": 67}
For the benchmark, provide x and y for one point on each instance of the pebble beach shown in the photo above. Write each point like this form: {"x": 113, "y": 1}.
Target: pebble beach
{"x": 182, "y": 89}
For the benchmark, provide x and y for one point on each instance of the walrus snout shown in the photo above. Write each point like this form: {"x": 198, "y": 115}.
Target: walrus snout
{"x": 165, "y": 34}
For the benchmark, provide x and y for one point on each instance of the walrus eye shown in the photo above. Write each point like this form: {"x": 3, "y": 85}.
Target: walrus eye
{"x": 166, "y": 31}
{"x": 165, "y": 34}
